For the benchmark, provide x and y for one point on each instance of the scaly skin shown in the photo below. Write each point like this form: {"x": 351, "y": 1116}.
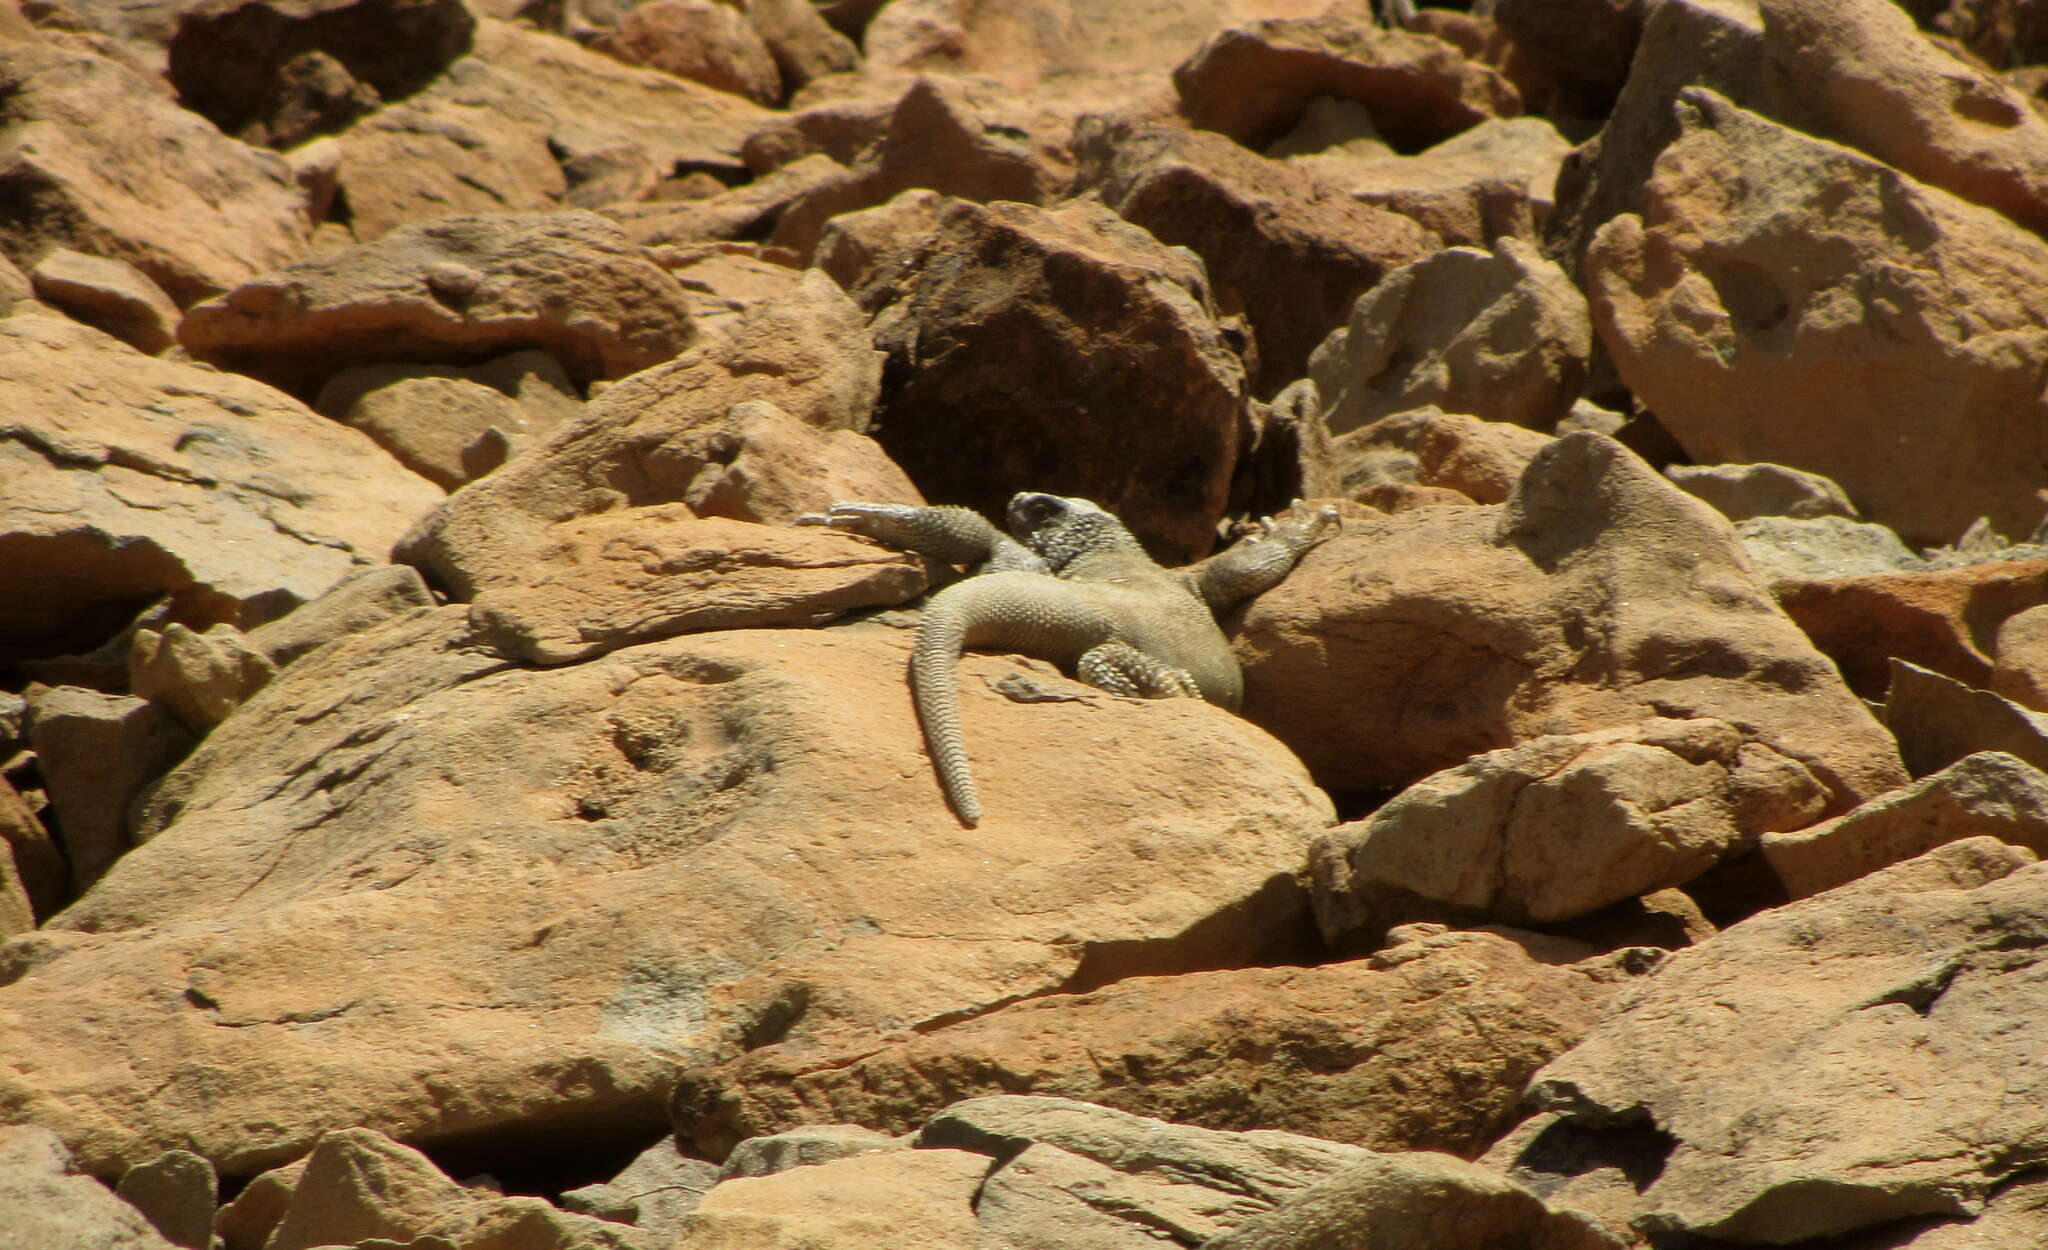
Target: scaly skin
{"x": 1075, "y": 588}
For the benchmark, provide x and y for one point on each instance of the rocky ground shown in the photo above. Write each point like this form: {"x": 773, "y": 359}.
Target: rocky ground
{"x": 452, "y": 808}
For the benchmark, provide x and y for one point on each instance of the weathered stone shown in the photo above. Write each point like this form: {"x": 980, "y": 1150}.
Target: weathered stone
{"x": 1814, "y": 549}
{"x": 1989, "y": 793}
{"x": 749, "y": 211}
{"x": 1586, "y": 45}
{"x": 456, "y": 290}
{"x": 96, "y": 752}
{"x": 1492, "y": 180}
{"x": 1289, "y": 251}
{"x": 353, "y": 604}
{"x": 95, "y": 159}
{"x": 1252, "y": 82}
{"x": 1861, "y": 1056}
{"x": 1502, "y": 335}
{"x": 654, "y": 1192}
{"x": 1012, "y": 328}
{"x": 803, "y": 44}
{"x": 1941, "y": 619}
{"x": 1939, "y": 720}
{"x": 804, "y": 1147}
{"x": 35, "y": 861}
{"x": 1596, "y": 596}
{"x": 447, "y": 430}
{"x": 198, "y": 678}
{"x": 1422, "y": 1047}
{"x": 45, "y": 1204}
{"x": 699, "y": 40}
{"x": 1759, "y": 342}
{"x": 247, "y": 1222}
{"x": 1742, "y": 491}
{"x": 164, "y": 479}
{"x": 916, "y": 1199}
{"x": 175, "y": 1191}
{"x": 2020, "y": 669}
{"x": 111, "y": 295}
{"x": 1481, "y": 460}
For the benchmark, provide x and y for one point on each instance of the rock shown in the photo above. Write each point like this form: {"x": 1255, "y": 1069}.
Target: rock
{"x": 1938, "y": 720}
{"x": 1829, "y": 1065}
{"x": 652, "y": 860}
{"x": 1860, "y": 73}
{"x": 640, "y": 574}
{"x": 654, "y": 1192}
{"x": 804, "y": 45}
{"x": 1820, "y": 549}
{"x": 353, "y": 604}
{"x": 175, "y": 1191}
{"x": 2016, "y": 1215}
{"x": 1396, "y": 1201}
{"x": 751, "y": 210}
{"x": 1011, "y": 327}
{"x": 1502, "y": 335}
{"x": 451, "y": 424}
{"x": 804, "y": 1147}
{"x": 1331, "y": 125}
{"x": 726, "y": 280}
{"x": 1252, "y": 82}
{"x": 194, "y": 210}
{"x": 109, "y": 295}
{"x": 358, "y": 1184}
{"x": 1584, "y": 45}
{"x": 1990, "y": 794}
{"x": 1424, "y": 1047}
{"x": 699, "y": 40}
{"x": 47, "y": 1205}
{"x": 916, "y": 1199}
{"x": 41, "y": 882}
{"x": 456, "y": 290}
{"x": 249, "y": 66}
{"x": 1558, "y": 827}
{"x": 246, "y": 1222}
{"x": 164, "y": 479}
{"x": 1696, "y": 300}
{"x": 1492, "y": 180}
{"x": 1941, "y": 619}
{"x": 1596, "y": 596}
{"x": 1481, "y": 460}
{"x": 199, "y": 678}
{"x": 96, "y": 752}
{"x": 2020, "y": 670}
{"x": 1742, "y": 491}
{"x": 1291, "y": 252}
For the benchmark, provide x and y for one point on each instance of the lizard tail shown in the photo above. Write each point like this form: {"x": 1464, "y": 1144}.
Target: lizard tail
{"x": 939, "y": 641}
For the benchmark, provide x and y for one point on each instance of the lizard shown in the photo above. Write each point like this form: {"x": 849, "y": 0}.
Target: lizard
{"x": 1070, "y": 584}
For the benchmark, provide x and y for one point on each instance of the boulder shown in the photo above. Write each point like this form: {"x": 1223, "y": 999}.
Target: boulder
{"x": 1481, "y": 460}
{"x": 457, "y": 290}
{"x": 710, "y": 43}
{"x": 1742, "y": 491}
{"x": 165, "y": 479}
{"x": 654, "y": 1192}
{"x": 803, "y": 43}
{"x": 1746, "y": 353}
{"x": 94, "y": 159}
{"x": 197, "y": 677}
{"x": 96, "y": 752}
{"x": 1492, "y": 180}
{"x": 751, "y": 210}
{"x": 175, "y": 1192}
{"x": 47, "y": 1204}
{"x": 1424, "y": 1046}
{"x": 110, "y": 295}
{"x": 30, "y": 856}
{"x": 803, "y": 1148}
{"x": 1861, "y": 1056}
{"x": 1292, "y": 252}
{"x": 610, "y": 870}
{"x": 1502, "y": 335}
{"x": 1251, "y": 82}
{"x": 1807, "y": 550}
{"x": 1011, "y": 329}
{"x": 2020, "y": 666}
{"x": 1584, "y": 45}
{"x": 451, "y": 424}
{"x": 1596, "y": 596}
{"x": 1939, "y": 720}
{"x": 916, "y": 1199}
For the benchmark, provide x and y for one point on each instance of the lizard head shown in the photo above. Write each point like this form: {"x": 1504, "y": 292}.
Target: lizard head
{"x": 1060, "y": 529}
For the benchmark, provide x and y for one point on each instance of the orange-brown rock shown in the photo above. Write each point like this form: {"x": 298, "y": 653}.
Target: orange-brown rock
{"x": 450, "y": 423}
{"x": 111, "y": 295}
{"x": 96, "y": 752}
{"x": 1424, "y": 1046}
{"x": 915, "y": 1199}
{"x": 32, "y": 857}
{"x": 700, "y": 40}
{"x": 1748, "y": 345}
{"x": 456, "y": 290}
{"x": 1597, "y": 595}
{"x": 803, "y": 43}
{"x": 1288, "y": 251}
{"x": 1480, "y": 460}
{"x": 197, "y": 677}
{"x": 1742, "y": 491}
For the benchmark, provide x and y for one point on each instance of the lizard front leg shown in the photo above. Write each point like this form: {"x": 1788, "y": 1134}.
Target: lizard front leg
{"x": 1259, "y": 563}
{"x": 959, "y": 536}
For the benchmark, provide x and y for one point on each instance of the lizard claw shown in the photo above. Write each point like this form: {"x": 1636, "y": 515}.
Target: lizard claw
{"x": 885, "y": 522}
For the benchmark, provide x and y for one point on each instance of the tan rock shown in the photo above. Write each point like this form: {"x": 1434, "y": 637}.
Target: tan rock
{"x": 654, "y": 1192}
{"x": 1422, "y": 1047}
{"x": 96, "y": 160}
{"x": 353, "y": 604}
{"x": 1941, "y": 619}
{"x": 448, "y": 423}
{"x": 804, "y": 1147}
{"x": 1742, "y": 491}
{"x": 36, "y": 865}
{"x": 96, "y": 752}
{"x": 1502, "y": 335}
{"x": 1558, "y": 827}
{"x": 1492, "y": 180}
{"x": 1481, "y": 460}
{"x": 110, "y": 295}
{"x": 2015, "y": 1216}
{"x": 48, "y": 1204}
{"x": 175, "y": 1192}
{"x": 1289, "y": 251}
{"x": 2020, "y": 670}
{"x": 1745, "y": 354}
{"x": 684, "y": 433}
{"x": 802, "y": 42}
{"x": 639, "y": 574}
{"x": 1939, "y": 720}
{"x": 1860, "y": 72}
{"x": 750, "y": 210}
{"x": 461, "y": 287}
{"x": 1990, "y": 794}
{"x": 199, "y": 678}
{"x": 17, "y": 910}
{"x": 1599, "y": 594}
{"x": 699, "y": 40}
{"x": 916, "y": 1199}
{"x": 1251, "y": 82}
{"x": 1013, "y": 328}
{"x": 1825, "y": 548}
{"x": 724, "y": 281}
{"x": 164, "y": 479}
{"x": 607, "y": 870}
{"x": 246, "y": 1222}
{"x": 1854, "y": 1058}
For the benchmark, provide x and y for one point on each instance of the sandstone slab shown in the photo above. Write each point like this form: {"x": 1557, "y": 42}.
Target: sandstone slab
{"x": 96, "y": 752}
{"x": 364, "y": 598}
{"x": 917, "y": 1199}
{"x": 1742, "y": 491}
{"x": 2020, "y": 665}
{"x": 1448, "y": 451}
{"x": 111, "y": 295}
{"x": 197, "y": 677}
{"x": 175, "y": 1192}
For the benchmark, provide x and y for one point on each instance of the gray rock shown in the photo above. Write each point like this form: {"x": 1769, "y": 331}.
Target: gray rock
{"x": 1796, "y": 548}
{"x": 803, "y": 1147}
{"x": 1742, "y": 491}
{"x": 44, "y": 1205}
{"x": 655, "y": 1191}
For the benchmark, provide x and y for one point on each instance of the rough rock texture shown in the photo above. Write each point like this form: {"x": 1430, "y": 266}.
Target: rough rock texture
{"x": 111, "y": 295}
{"x": 163, "y": 479}
{"x": 2020, "y": 670}
{"x": 1742, "y": 491}
{"x": 46, "y": 1204}
{"x": 457, "y": 290}
{"x": 1939, "y": 720}
{"x": 96, "y": 752}
{"x": 1010, "y": 328}
{"x": 658, "y": 857}
{"x": 1560, "y": 826}
{"x": 1472, "y": 188}
{"x": 351, "y": 605}
{"x": 654, "y": 1192}
{"x": 696, "y": 39}
{"x": 1747, "y": 354}
{"x": 1503, "y": 335}
{"x": 199, "y": 678}
{"x": 1800, "y": 550}
{"x": 176, "y": 1192}
{"x": 92, "y": 158}
{"x": 1289, "y": 252}
{"x": 1860, "y": 1056}
{"x": 1481, "y": 460}
{"x": 439, "y": 419}
{"x": 1942, "y": 619}
{"x": 1424, "y": 1046}
{"x": 917, "y": 1199}
{"x": 1402, "y": 647}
